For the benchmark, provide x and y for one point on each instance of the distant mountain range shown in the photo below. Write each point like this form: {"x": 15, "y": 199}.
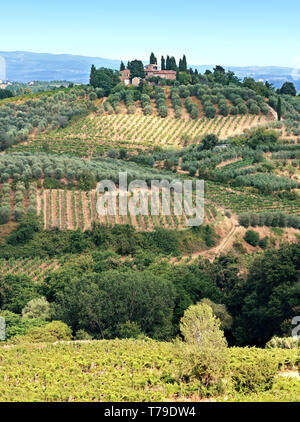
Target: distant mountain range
{"x": 22, "y": 66}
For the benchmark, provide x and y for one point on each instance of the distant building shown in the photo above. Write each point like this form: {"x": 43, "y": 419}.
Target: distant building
{"x": 152, "y": 67}
{"x": 151, "y": 70}
{"x": 125, "y": 76}
{"x": 164, "y": 74}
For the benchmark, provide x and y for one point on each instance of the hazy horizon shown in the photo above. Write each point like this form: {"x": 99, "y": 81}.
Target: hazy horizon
{"x": 143, "y": 59}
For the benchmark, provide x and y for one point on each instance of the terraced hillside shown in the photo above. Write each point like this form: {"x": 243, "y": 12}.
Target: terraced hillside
{"x": 172, "y": 117}
{"x": 78, "y": 209}
{"x": 91, "y": 135}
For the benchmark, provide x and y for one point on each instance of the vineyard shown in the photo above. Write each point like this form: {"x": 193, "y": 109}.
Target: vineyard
{"x": 73, "y": 208}
{"x": 76, "y": 209}
{"x": 36, "y": 268}
{"x": 127, "y": 371}
{"x": 91, "y": 135}
{"x": 243, "y": 200}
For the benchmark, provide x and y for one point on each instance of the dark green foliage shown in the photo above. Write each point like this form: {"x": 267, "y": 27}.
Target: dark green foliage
{"x": 15, "y": 292}
{"x": 102, "y": 304}
{"x": 26, "y": 230}
{"x": 263, "y": 243}
{"x": 252, "y": 237}
{"x": 5, "y": 213}
{"x": 5, "y": 93}
{"x": 166, "y": 240}
{"x": 153, "y": 59}
{"x": 279, "y": 109}
{"x": 105, "y": 79}
{"x": 136, "y": 68}
{"x": 262, "y": 137}
{"x": 18, "y": 326}
{"x": 288, "y": 88}
{"x": 270, "y": 219}
{"x": 209, "y": 141}
{"x": 265, "y": 304}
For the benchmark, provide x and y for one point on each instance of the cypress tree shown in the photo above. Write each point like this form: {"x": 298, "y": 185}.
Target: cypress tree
{"x": 168, "y": 63}
{"x": 163, "y": 63}
{"x": 153, "y": 59}
{"x": 279, "y": 109}
{"x": 92, "y": 75}
{"x": 136, "y": 68}
{"x": 184, "y": 63}
{"x": 173, "y": 65}
{"x": 122, "y": 66}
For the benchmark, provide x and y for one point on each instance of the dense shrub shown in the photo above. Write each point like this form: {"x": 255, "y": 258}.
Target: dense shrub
{"x": 283, "y": 343}
{"x": 252, "y": 237}
{"x": 252, "y": 370}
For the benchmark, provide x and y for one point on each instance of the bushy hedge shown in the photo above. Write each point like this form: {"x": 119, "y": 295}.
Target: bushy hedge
{"x": 161, "y": 102}
{"x": 26, "y": 166}
{"x": 270, "y": 219}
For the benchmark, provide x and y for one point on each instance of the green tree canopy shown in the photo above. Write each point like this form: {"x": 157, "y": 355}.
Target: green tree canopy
{"x": 136, "y": 68}
{"x": 99, "y": 303}
{"x": 153, "y": 59}
{"x": 104, "y": 78}
{"x": 288, "y": 88}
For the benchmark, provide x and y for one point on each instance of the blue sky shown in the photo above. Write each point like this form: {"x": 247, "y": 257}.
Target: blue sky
{"x": 226, "y": 32}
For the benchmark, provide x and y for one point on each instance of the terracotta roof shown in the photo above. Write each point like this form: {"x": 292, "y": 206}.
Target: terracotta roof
{"x": 170, "y": 72}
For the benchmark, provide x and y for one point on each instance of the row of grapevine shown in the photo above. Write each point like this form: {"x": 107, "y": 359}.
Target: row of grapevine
{"x": 77, "y": 209}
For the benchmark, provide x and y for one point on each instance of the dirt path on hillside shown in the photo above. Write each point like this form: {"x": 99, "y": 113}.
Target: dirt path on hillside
{"x": 212, "y": 253}
{"x": 272, "y": 111}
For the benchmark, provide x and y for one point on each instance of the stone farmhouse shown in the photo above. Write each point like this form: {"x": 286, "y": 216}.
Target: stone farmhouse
{"x": 151, "y": 70}
{"x": 125, "y": 76}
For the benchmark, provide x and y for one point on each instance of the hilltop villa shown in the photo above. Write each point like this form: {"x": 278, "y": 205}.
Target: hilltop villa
{"x": 154, "y": 70}
{"x": 151, "y": 70}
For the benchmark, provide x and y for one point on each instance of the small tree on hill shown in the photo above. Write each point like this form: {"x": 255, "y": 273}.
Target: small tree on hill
{"x": 288, "y": 88}
{"x": 206, "y": 355}
{"x": 209, "y": 141}
{"x": 92, "y": 75}
{"x": 37, "y": 308}
{"x": 252, "y": 237}
{"x": 279, "y": 109}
